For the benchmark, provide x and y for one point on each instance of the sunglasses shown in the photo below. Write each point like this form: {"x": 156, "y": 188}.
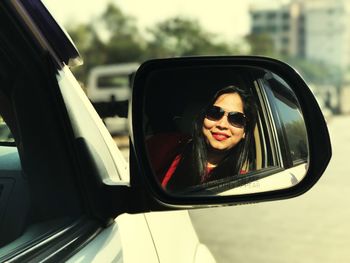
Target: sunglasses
{"x": 237, "y": 119}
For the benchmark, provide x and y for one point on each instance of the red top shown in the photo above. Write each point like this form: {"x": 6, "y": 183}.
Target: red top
{"x": 171, "y": 171}
{"x": 169, "y": 174}
{"x": 163, "y": 149}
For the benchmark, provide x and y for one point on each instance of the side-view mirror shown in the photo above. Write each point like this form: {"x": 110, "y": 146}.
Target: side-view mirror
{"x": 224, "y": 130}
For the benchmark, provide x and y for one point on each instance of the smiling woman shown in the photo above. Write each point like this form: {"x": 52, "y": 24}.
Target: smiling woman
{"x": 220, "y": 141}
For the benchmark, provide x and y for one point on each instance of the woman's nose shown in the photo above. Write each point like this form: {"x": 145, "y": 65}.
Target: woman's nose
{"x": 223, "y": 122}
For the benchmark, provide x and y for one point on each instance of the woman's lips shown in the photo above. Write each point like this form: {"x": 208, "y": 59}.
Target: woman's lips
{"x": 220, "y": 136}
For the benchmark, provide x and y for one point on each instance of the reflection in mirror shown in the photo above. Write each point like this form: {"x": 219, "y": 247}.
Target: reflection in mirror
{"x": 223, "y": 131}
{"x": 6, "y": 137}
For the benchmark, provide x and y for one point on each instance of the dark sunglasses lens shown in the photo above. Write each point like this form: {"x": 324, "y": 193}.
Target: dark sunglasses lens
{"x": 214, "y": 113}
{"x": 237, "y": 119}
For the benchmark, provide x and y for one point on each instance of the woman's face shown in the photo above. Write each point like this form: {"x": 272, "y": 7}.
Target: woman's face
{"x": 221, "y": 135}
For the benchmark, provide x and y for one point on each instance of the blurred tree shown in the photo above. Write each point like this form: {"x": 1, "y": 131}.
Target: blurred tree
{"x": 112, "y": 38}
{"x": 179, "y": 36}
{"x": 125, "y": 42}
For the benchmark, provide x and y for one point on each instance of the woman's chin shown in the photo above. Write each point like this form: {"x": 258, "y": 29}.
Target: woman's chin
{"x": 219, "y": 148}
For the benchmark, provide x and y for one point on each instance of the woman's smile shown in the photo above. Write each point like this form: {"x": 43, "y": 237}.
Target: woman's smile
{"x": 219, "y": 136}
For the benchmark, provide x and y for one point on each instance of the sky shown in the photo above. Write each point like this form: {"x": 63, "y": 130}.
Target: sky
{"x": 229, "y": 19}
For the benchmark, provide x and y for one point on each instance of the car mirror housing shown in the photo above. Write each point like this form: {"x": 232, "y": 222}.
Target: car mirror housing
{"x": 224, "y": 130}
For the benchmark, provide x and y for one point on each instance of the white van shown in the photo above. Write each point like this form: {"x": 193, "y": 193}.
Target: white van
{"x": 109, "y": 89}
{"x": 110, "y": 83}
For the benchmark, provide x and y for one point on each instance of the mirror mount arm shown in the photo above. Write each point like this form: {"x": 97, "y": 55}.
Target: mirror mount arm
{"x": 132, "y": 199}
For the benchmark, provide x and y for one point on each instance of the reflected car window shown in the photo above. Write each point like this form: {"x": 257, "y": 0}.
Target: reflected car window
{"x": 295, "y": 130}
{"x": 291, "y": 120}
{"x": 5, "y": 133}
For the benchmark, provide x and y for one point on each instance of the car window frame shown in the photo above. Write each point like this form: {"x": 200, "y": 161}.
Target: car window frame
{"x": 279, "y": 124}
{"x": 267, "y": 126}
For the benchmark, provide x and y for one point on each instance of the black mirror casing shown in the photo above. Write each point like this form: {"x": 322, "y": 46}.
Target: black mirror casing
{"x": 142, "y": 177}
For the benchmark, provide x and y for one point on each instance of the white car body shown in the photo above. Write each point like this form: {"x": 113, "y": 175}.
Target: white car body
{"x": 153, "y": 237}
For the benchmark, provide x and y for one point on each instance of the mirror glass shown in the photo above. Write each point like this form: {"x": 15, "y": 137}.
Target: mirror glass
{"x": 223, "y": 130}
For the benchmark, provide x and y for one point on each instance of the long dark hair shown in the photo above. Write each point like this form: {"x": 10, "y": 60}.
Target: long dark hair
{"x": 192, "y": 168}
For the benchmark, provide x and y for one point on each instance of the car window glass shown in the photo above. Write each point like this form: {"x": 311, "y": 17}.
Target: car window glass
{"x": 295, "y": 130}
{"x": 113, "y": 81}
{"x": 5, "y": 133}
{"x": 291, "y": 120}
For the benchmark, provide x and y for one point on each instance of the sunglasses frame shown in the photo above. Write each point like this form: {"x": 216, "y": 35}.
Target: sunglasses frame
{"x": 228, "y": 114}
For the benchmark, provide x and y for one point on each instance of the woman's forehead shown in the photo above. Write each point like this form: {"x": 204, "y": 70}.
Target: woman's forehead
{"x": 230, "y": 102}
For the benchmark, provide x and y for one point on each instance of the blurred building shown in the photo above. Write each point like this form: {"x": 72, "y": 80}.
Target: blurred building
{"x": 318, "y": 30}
{"x": 284, "y": 25}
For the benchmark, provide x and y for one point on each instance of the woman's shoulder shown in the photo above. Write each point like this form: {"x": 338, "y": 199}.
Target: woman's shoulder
{"x": 164, "y": 147}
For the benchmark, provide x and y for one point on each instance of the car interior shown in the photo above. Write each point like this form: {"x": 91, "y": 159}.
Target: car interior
{"x": 38, "y": 190}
